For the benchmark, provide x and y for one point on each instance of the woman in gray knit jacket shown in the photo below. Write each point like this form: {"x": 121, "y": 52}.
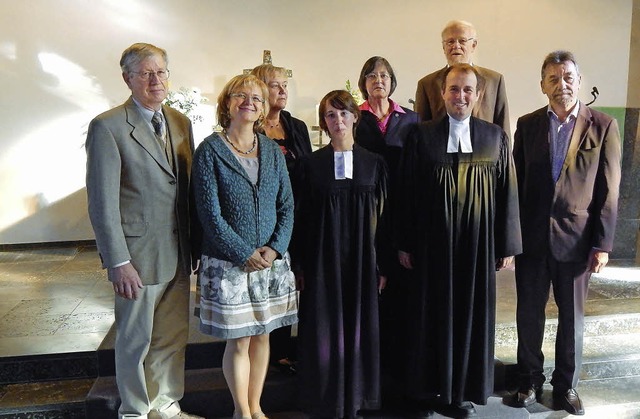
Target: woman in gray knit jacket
{"x": 245, "y": 207}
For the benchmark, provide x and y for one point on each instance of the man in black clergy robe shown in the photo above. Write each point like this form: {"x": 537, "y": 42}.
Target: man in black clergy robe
{"x": 457, "y": 224}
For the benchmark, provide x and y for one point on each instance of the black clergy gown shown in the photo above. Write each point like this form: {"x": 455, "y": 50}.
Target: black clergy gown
{"x": 336, "y": 246}
{"x": 457, "y": 213}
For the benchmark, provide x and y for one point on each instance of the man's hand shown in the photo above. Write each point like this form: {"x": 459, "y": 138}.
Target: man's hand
{"x": 502, "y": 263}
{"x": 598, "y": 260}
{"x": 382, "y": 283}
{"x": 405, "y": 259}
{"x": 126, "y": 281}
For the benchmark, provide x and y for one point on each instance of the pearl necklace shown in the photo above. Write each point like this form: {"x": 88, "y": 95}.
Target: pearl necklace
{"x": 253, "y": 147}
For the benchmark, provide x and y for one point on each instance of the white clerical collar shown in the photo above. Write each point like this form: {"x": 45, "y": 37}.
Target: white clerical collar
{"x": 459, "y": 136}
{"x": 343, "y": 164}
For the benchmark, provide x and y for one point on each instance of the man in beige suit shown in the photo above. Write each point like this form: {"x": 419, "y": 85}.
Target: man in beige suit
{"x": 138, "y": 166}
{"x": 459, "y": 42}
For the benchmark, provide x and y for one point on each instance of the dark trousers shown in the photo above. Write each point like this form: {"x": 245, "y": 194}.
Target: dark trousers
{"x": 570, "y": 281}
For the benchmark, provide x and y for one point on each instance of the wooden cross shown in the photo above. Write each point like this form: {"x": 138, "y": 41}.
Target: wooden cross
{"x": 266, "y": 59}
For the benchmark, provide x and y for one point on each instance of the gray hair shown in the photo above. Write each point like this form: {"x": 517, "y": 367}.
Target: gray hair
{"x": 136, "y": 53}
{"x": 460, "y": 24}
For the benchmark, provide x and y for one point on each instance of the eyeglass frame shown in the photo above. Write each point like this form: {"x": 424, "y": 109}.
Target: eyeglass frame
{"x": 244, "y": 96}
{"x": 461, "y": 41}
{"x": 375, "y": 76}
{"x": 146, "y": 75}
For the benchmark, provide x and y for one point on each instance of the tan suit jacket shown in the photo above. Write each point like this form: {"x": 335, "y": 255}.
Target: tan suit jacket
{"x": 492, "y": 105}
{"x": 138, "y": 204}
{"x": 579, "y": 211}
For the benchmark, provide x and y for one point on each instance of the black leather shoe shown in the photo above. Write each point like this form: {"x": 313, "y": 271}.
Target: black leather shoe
{"x": 420, "y": 410}
{"x": 569, "y": 401}
{"x": 529, "y": 396}
{"x": 285, "y": 366}
{"x": 461, "y": 410}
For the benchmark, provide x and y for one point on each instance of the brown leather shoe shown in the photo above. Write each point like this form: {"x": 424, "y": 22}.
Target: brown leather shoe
{"x": 569, "y": 401}
{"x": 527, "y": 397}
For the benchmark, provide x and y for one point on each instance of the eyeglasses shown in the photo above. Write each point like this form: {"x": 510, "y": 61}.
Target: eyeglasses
{"x": 461, "y": 41}
{"x": 146, "y": 75}
{"x": 244, "y": 96}
{"x": 374, "y": 76}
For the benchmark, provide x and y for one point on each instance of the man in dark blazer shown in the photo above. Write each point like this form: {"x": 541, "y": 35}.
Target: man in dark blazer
{"x": 567, "y": 158}
{"x": 138, "y": 168}
{"x": 459, "y": 41}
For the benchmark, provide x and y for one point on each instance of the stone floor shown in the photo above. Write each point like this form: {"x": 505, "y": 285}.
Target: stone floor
{"x": 56, "y": 300}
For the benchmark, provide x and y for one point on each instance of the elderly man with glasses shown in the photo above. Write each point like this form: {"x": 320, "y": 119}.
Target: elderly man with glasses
{"x": 459, "y": 42}
{"x": 138, "y": 168}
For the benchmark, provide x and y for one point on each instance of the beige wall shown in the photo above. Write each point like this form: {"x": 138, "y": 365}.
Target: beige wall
{"x": 58, "y": 66}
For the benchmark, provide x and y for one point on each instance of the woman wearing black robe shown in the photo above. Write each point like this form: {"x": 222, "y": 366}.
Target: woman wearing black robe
{"x": 339, "y": 211}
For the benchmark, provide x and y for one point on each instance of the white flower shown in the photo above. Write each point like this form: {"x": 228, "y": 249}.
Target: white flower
{"x": 355, "y": 93}
{"x": 186, "y": 101}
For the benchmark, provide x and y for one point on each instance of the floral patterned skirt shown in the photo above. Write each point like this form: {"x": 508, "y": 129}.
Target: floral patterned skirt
{"x": 235, "y": 304}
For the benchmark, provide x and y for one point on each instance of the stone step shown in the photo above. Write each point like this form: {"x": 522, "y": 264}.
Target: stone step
{"x": 605, "y": 356}
{"x": 607, "y": 296}
{"x": 595, "y": 325}
{"x": 198, "y": 355}
{"x": 63, "y": 399}
{"x": 620, "y": 279}
{"x": 206, "y": 394}
{"x": 617, "y": 398}
{"x": 612, "y": 349}
{"x": 47, "y": 367}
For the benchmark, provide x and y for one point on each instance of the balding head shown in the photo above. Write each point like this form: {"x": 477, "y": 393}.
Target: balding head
{"x": 459, "y": 40}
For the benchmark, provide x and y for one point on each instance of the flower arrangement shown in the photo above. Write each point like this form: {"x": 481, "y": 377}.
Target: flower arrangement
{"x": 186, "y": 101}
{"x": 354, "y": 92}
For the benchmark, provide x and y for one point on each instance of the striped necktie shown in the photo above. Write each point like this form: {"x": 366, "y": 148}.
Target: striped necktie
{"x": 158, "y": 126}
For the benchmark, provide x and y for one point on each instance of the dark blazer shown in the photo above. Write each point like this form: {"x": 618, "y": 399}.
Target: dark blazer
{"x": 579, "y": 211}
{"x": 492, "y": 105}
{"x": 388, "y": 145}
{"x": 297, "y": 134}
{"x": 138, "y": 205}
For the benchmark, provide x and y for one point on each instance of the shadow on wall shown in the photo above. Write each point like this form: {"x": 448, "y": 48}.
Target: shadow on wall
{"x": 66, "y": 220}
